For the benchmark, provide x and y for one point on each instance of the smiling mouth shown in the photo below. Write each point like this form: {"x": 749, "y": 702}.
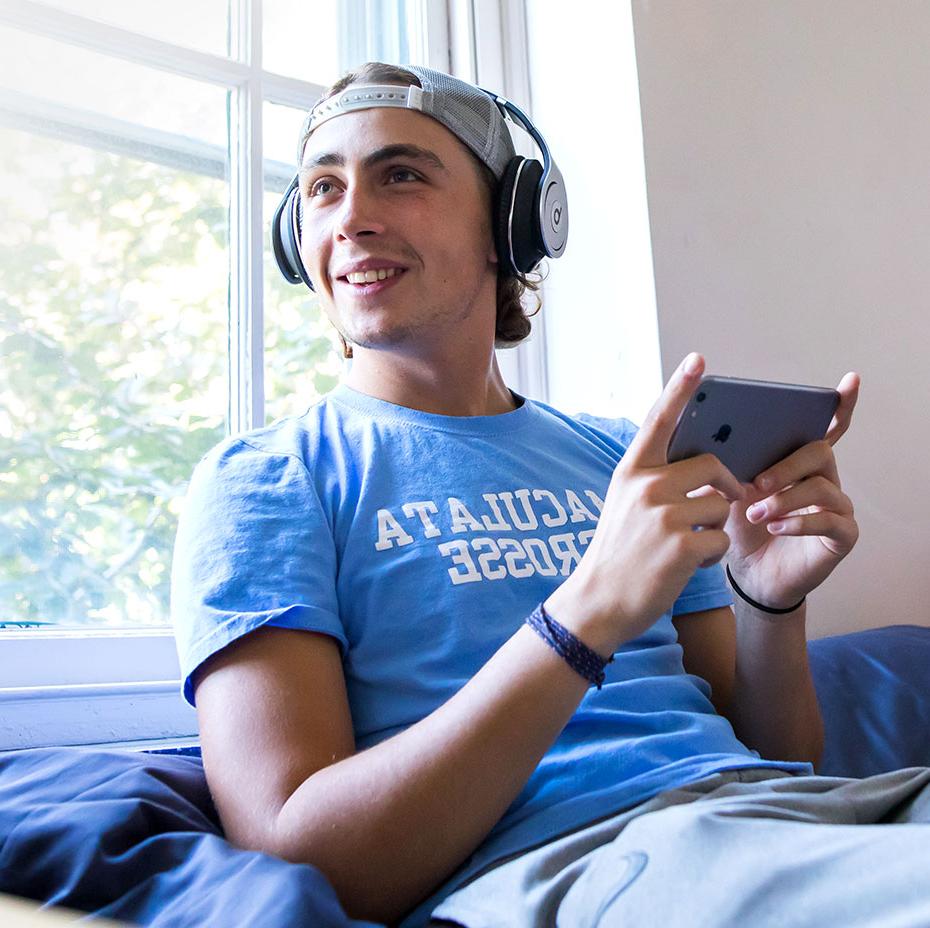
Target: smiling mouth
{"x": 373, "y": 276}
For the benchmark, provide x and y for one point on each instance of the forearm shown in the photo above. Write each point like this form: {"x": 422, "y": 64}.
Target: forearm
{"x": 390, "y": 823}
{"x": 773, "y": 707}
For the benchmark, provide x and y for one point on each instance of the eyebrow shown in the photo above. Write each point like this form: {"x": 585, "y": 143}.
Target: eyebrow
{"x": 387, "y": 153}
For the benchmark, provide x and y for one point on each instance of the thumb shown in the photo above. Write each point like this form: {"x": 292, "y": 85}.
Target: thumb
{"x": 650, "y": 446}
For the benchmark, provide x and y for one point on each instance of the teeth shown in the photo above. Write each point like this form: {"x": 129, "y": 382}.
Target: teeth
{"x": 369, "y": 277}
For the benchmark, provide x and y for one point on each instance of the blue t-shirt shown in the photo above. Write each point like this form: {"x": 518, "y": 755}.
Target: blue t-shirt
{"x": 421, "y": 542}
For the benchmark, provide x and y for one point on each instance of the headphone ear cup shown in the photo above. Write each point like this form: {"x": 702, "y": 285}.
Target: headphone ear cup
{"x": 285, "y": 237}
{"x": 519, "y": 239}
{"x": 502, "y": 216}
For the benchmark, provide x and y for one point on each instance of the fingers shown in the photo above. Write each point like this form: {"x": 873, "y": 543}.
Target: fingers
{"x": 815, "y": 506}
{"x": 704, "y": 512}
{"x": 691, "y": 476}
{"x": 650, "y": 447}
{"x": 848, "y": 390}
{"x": 813, "y": 459}
{"x": 816, "y": 491}
{"x": 710, "y": 547}
{"x": 816, "y": 457}
{"x": 838, "y": 533}
{"x": 698, "y": 524}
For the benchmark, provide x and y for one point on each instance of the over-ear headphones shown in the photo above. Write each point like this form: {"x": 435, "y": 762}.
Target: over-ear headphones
{"x": 530, "y": 212}
{"x": 532, "y": 208}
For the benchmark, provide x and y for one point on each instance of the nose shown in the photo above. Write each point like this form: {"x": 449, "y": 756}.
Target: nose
{"x": 359, "y": 215}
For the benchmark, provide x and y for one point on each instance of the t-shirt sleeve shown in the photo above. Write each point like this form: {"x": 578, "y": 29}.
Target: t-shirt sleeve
{"x": 707, "y": 588}
{"x": 622, "y": 431}
{"x": 253, "y": 548}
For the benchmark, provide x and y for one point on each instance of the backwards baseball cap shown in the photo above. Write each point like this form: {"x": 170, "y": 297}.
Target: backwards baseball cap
{"x": 467, "y": 112}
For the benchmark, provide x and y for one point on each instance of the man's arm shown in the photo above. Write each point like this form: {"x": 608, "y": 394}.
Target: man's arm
{"x": 759, "y": 676}
{"x": 388, "y": 824}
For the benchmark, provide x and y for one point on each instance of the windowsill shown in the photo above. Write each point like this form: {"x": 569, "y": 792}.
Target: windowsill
{"x": 110, "y": 687}
{"x": 185, "y": 746}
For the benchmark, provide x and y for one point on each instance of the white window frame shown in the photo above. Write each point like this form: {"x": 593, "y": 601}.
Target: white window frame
{"x": 122, "y": 687}
{"x": 488, "y": 46}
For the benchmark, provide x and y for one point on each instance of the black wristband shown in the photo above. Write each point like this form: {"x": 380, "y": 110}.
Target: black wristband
{"x": 589, "y": 664}
{"x": 759, "y": 606}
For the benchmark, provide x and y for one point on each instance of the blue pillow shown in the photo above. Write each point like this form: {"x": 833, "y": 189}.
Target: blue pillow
{"x": 874, "y": 692}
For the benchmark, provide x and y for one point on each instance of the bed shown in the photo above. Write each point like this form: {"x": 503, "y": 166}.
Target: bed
{"x": 134, "y": 836}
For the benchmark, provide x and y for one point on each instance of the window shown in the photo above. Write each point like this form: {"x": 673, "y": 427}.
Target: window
{"x": 141, "y": 313}
{"x": 114, "y": 272}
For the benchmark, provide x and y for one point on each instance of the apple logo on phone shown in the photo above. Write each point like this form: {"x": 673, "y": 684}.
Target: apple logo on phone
{"x": 723, "y": 433}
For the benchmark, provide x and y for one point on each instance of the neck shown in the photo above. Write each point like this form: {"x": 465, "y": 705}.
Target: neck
{"x": 460, "y": 383}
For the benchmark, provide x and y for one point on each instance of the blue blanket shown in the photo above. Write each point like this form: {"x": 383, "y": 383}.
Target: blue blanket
{"x": 135, "y": 836}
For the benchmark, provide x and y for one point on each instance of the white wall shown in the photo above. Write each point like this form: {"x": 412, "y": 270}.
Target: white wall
{"x": 788, "y": 166}
{"x": 599, "y": 304}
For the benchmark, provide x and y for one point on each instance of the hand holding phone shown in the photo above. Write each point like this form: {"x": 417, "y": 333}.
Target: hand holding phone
{"x": 751, "y": 424}
{"x": 645, "y": 549}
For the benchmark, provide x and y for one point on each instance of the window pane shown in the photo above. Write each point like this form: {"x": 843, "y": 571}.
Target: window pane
{"x": 114, "y": 281}
{"x": 318, "y": 41}
{"x": 88, "y": 81}
{"x": 200, "y": 24}
{"x": 281, "y": 127}
{"x": 301, "y": 357}
{"x": 299, "y": 39}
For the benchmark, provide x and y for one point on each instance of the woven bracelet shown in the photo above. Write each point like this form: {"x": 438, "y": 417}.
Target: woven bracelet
{"x": 589, "y": 664}
{"x": 759, "y": 606}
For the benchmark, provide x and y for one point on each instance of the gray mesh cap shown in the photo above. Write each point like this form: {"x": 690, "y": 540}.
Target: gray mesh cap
{"x": 467, "y": 112}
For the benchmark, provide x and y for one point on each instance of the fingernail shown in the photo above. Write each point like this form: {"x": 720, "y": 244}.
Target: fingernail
{"x": 755, "y": 512}
{"x": 763, "y": 483}
{"x": 692, "y": 364}
{"x": 776, "y": 526}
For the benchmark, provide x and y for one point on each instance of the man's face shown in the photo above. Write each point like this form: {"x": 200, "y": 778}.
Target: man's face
{"x": 393, "y": 195}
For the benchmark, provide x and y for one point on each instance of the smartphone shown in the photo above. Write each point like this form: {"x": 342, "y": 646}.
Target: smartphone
{"x": 751, "y": 424}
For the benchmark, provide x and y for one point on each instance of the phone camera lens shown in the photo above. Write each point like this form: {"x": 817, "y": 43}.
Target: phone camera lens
{"x": 701, "y": 397}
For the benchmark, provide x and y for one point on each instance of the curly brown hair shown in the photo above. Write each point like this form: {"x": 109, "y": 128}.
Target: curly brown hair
{"x": 513, "y": 321}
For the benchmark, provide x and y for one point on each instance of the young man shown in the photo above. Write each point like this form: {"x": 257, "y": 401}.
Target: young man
{"x": 352, "y": 590}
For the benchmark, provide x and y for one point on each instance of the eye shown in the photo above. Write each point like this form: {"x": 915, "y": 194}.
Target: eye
{"x": 321, "y": 187}
{"x": 402, "y": 175}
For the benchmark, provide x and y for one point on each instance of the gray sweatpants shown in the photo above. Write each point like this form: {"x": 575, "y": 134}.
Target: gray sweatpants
{"x": 753, "y": 848}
